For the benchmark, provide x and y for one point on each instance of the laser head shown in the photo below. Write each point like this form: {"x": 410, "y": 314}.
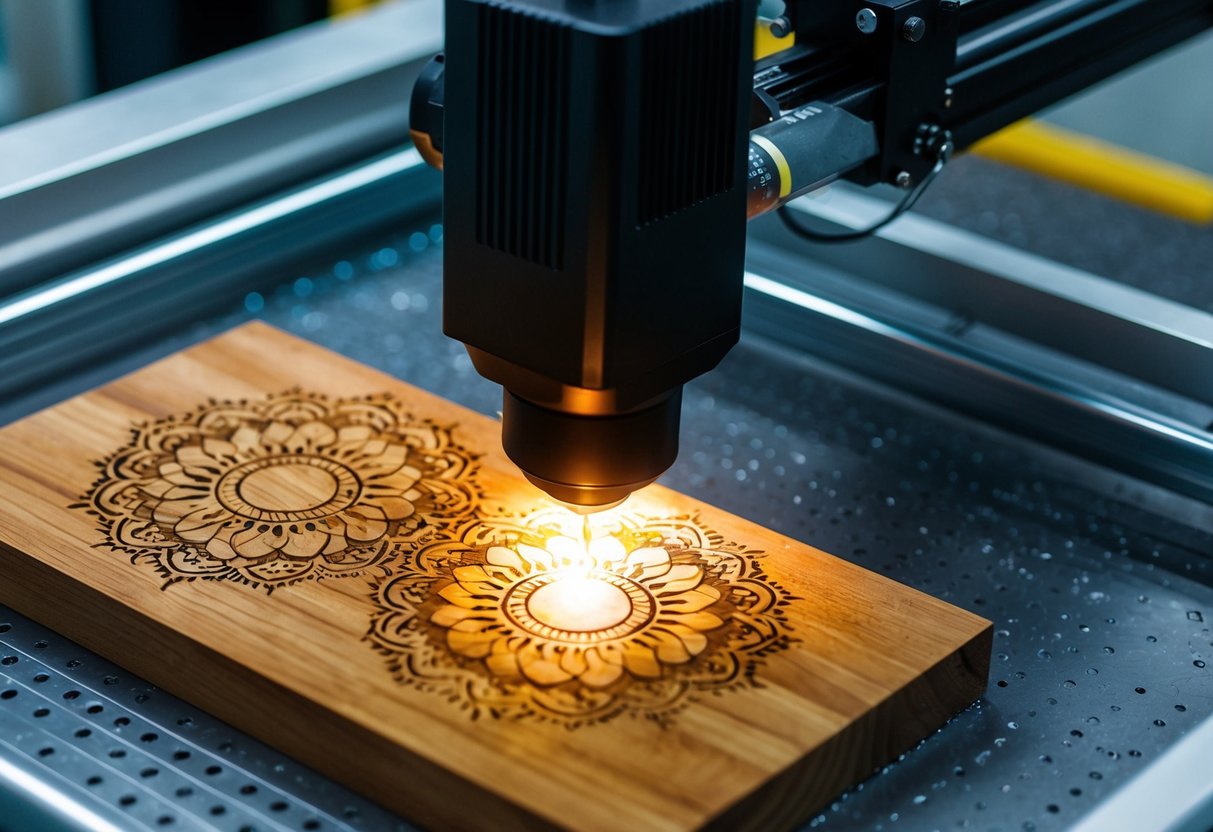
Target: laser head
{"x": 593, "y": 219}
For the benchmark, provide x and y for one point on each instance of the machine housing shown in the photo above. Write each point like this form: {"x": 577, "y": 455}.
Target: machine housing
{"x": 595, "y": 219}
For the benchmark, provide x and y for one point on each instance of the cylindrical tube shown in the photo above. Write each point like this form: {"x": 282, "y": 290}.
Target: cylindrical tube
{"x": 804, "y": 149}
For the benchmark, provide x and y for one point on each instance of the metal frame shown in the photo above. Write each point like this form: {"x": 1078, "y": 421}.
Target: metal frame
{"x": 206, "y": 774}
{"x": 124, "y": 216}
{"x": 55, "y": 326}
{"x": 1046, "y": 51}
{"x": 117, "y": 171}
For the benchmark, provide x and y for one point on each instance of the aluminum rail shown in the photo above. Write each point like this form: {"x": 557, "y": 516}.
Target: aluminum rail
{"x": 993, "y": 382}
{"x": 1037, "y": 56}
{"x": 62, "y": 324}
{"x": 119, "y": 170}
{"x": 1161, "y": 342}
{"x": 1020, "y": 27}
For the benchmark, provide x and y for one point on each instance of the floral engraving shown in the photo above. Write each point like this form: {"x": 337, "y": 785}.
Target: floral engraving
{"x": 281, "y": 490}
{"x": 532, "y": 618}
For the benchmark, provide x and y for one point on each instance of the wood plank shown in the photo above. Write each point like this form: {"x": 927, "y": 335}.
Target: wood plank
{"x": 350, "y": 569}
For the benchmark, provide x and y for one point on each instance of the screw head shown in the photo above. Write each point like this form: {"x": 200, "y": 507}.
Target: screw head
{"x": 865, "y": 21}
{"x": 904, "y": 179}
{"x": 913, "y": 29}
{"x": 781, "y": 27}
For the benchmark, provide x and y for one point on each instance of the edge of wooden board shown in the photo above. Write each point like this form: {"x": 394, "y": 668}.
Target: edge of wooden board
{"x": 953, "y": 684}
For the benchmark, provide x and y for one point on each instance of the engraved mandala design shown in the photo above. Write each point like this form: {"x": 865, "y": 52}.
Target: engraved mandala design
{"x": 532, "y": 618}
{"x": 280, "y": 490}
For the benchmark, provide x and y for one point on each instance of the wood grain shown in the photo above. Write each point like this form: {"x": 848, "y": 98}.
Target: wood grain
{"x": 382, "y": 632}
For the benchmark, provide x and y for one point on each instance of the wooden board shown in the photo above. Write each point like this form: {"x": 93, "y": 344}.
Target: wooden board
{"x": 349, "y": 569}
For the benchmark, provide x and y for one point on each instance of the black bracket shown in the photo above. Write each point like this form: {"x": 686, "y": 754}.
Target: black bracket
{"x": 912, "y": 45}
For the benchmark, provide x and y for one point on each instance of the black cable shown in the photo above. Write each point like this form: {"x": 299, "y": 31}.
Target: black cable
{"x": 802, "y": 230}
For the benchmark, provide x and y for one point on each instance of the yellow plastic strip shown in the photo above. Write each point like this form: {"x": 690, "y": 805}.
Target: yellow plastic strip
{"x": 1103, "y": 167}
{"x": 781, "y": 163}
{"x": 339, "y": 8}
{"x": 765, "y": 42}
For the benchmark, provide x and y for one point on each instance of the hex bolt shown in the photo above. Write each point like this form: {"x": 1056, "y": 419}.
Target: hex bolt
{"x": 865, "y": 21}
{"x": 913, "y": 29}
{"x": 904, "y": 179}
{"x": 781, "y": 26}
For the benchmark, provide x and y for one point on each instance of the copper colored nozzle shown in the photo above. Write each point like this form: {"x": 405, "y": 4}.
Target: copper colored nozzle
{"x": 591, "y": 462}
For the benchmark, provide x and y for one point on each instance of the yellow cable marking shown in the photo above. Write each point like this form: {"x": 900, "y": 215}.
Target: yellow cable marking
{"x": 1103, "y": 167}
{"x": 781, "y": 163}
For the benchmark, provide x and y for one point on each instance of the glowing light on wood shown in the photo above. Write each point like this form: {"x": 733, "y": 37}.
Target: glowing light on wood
{"x": 549, "y": 616}
{"x": 579, "y": 602}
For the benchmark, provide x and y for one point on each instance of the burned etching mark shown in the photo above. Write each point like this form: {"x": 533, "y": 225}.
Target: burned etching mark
{"x": 531, "y": 618}
{"x": 285, "y": 489}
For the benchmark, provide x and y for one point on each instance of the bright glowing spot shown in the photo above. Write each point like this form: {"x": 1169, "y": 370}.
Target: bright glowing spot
{"x": 576, "y": 603}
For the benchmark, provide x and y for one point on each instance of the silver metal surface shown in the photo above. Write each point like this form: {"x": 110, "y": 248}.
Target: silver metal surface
{"x": 86, "y": 745}
{"x": 1067, "y": 224}
{"x": 1175, "y": 794}
{"x": 977, "y": 370}
{"x": 865, "y": 21}
{"x": 1128, "y": 330}
{"x": 121, "y": 169}
{"x": 63, "y": 323}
